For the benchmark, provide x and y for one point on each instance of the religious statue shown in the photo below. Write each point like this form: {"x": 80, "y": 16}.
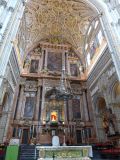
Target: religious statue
{"x": 105, "y": 124}
{"x": 38, "y": 51}
{"x": 27, "y": 62}
{"x": 109, "y": 122}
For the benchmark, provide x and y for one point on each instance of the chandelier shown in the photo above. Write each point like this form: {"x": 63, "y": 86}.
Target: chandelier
{"x": 65, "y": 91}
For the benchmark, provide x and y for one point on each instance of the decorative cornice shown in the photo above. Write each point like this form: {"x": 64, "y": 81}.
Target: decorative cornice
{"x": 55, "y": 46}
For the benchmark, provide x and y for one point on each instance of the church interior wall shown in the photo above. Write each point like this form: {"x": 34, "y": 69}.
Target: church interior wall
{"x": 41, "y": 72}
{"x": 47, "y": 82}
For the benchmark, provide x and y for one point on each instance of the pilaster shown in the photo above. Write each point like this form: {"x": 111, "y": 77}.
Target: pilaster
{"x": 18, "y": 115}
{"x": 9, "y": 33}
{"x": 85, "y": 106}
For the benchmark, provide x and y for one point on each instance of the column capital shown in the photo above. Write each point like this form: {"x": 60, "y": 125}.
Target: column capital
{"x": 3, "y": 3}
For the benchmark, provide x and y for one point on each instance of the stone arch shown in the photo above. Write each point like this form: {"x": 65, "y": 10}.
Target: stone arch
{"x": 95, "y": 101}
{"x": 116, "y": 102}
{"x": 116, "y": 91}
{"x": 101, "y": 104}
{"x": 100, "y": 107}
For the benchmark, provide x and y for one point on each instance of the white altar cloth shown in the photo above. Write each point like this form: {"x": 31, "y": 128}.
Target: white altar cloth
{"x": 52, "y": 148}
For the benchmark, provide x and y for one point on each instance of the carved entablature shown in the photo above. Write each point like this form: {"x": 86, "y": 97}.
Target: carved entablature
{"x": 76, "y": 88}
{"x": 51, "y": 83}
{"x": 47, "y": 45}
{"x": 31, "y": 86}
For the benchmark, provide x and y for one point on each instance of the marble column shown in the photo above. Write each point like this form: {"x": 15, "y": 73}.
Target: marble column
{"x": 63, "y": 60}
{"x": 82, "y": 107}
{"x": 18, "y": 114}
{"x": 66, "y": 62}
{"x": 65, "y": 112}
{"x": 46, "y": 55}
{"x": 85, "y": 106}
{"x": 43, "y": 102}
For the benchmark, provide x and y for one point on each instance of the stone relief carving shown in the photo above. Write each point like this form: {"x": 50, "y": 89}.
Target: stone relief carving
{"x": 76, "y": 89}
{"x": 37, "y": 50}
{"x": 31, "y": 86}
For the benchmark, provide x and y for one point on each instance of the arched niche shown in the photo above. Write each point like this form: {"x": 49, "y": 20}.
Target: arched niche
{"x": 116, "y": 103}
{"x": 100, "y": 109}
{"x": 117, "y": 90}
{"x": 101, "y": 104}
{"x": 54, "y": 108}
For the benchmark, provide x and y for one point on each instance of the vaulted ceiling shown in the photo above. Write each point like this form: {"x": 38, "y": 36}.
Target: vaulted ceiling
{"x": 58, "y": 20}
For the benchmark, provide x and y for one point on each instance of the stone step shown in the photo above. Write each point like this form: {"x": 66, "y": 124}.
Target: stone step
{"x": 27, "y": 152}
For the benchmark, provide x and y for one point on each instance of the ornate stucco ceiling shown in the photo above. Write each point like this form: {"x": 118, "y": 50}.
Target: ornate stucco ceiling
{"x": 64, "y": 19}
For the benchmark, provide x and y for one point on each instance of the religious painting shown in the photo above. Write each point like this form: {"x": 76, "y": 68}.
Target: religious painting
{"x": 54, "y": 116}
{"x": 76, "y": 108}
{"x": 74, "y": 69}
{"x": 54, "y": 62}
{"x": 34, "y": 66}
{"x": 29, "y": 107}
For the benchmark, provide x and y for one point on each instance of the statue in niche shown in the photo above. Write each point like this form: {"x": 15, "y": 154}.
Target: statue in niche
{"x": 110, "y": 122}
{"x": 38, "y": 51}
{"x": 27, "y": 62}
